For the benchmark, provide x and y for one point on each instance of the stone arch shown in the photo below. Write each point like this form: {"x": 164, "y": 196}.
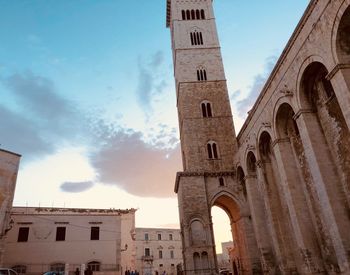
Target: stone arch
{"x": 341, "y": 34}
{"x": 241, "y": 227}
{"x": 299, "y": 97}
{"x": 251, "y": 163}
{"x": 241, "y": 181}
{"x": 326, "y": 137}
{"x": 197, "y": 232}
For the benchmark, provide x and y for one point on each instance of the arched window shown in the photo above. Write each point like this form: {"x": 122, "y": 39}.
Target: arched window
{"x": 201, "y": 75}
{"x": 188, "y": 15}
{"x": 198, "y": 15}
{"x": 206, "y": 109}
{"x": 20, "y": 269}
{"x": 196, "y": 38}
{"x": 212, "y": 150}
{"x": 183, "y": 15}
{"x": 221, "y": 181}
{"x": 202, "y": 14}
{"x": 193, "y": 15}
{"x": 94, "y": 266}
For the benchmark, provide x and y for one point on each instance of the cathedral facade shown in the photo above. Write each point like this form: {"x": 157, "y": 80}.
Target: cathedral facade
{"x": 284, "y": 180}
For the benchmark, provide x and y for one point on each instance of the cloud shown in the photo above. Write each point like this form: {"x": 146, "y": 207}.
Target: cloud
{"x": 151, "y": 81}
{"x": 19, "y": 134}
{"x": 244, "y": 105}
{"x": 40, "y": 120}
{"x": 76, "y": 187}
{"x": 136, "y": 166}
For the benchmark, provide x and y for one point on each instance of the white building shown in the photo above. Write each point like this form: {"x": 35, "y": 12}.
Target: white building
{"x": 158, "y": 251}
{"x": 45, "y": 239}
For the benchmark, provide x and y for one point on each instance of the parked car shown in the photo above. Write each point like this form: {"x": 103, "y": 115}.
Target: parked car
{"x": 7, "y": 271}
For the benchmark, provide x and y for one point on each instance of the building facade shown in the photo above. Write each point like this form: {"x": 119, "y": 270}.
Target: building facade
{"x": 284, "y": 180}
{"x": 158, "y": 251}
{"x": 63, "y": 239}
{"x": 9, "y": 164}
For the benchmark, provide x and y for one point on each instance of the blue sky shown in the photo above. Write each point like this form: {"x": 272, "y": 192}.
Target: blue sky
{"x": 87, "y": 95}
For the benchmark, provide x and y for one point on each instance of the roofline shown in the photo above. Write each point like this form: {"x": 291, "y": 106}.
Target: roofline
{"x": 9, "y": 152}
{"x": 93, "y": 210}
{"x": 279, "y": 62}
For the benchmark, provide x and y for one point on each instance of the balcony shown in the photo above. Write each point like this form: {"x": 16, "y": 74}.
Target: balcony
{"x": 148, "y": 258}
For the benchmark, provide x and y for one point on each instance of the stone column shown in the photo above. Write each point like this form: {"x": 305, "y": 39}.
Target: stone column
{"x": 261, "y": 188}
{"x": 257, "y": 211}
{"x": 340, "y": 79}
{"x": 325, "y": 179}
{"x": 293, "y": 191}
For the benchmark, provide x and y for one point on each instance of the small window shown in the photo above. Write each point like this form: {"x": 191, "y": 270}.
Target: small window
{"x": 193, "y": 15}
{"x": 170, "y": 237}
{"x": 160, "y": 252}
{"x": 95, "y": 233}
{"x": 212, "y": 150}
{"x": 172, "y": 254}
{"x": 58, "y": 267}
{"x": 23, "y": 234}
{"x": 188, "y": 15}
{"x": 60, "y": 233}
{"x": 172, "y": 265}
{"x": 221, "y": 182}
{"x": 198, "y": 15}
{"x": 147, "y": 252}
{"x": 183, "y": 15}
{"x": 206, "y": 109}
{"x": 160, "y": 265}
{"x": 159, "y": 237}
{"x": 20, "y": 269}
{"x": 202, "y": 14}
{"x": 201, "y": 75}
{"x": 146, "y": 237}
{"x": 196, "y": 38}
{"x": 94, "y": 266}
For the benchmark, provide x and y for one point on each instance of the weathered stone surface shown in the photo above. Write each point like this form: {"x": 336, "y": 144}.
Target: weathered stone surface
{"x": 285, "y": 179}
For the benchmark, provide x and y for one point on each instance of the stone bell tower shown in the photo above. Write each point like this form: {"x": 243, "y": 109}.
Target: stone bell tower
{"x": 208, "y": 140}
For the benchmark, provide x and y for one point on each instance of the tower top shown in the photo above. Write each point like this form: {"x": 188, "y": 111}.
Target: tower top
{"x": 168, "y": 12}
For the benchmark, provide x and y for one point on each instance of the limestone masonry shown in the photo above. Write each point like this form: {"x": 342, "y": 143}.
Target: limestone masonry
{"x": 284, "y": 179}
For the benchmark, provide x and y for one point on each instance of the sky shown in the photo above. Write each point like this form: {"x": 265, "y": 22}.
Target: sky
{"x": 87, "y": 97}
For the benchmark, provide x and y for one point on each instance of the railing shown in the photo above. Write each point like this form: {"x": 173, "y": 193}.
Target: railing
{"x": 147, "y": 258}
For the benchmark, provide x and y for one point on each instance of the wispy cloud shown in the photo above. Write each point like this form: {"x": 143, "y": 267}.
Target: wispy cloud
{"x": 151, "y": 82}
{"x": 244, "y": 105}
{"x": 41, "y": 120}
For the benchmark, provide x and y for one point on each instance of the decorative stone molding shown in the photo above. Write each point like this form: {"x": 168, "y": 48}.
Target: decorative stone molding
{"x": 248, "y": 177}
{"x": 250, "y": 147}
{"x": 266, "y": 124}
{"x": 286, "y": 92}
{"x": 201, "y": 174}
{"x": 301, "y": 112}
{"x": 336, "y": 69}
{"x": 280, "y": 140}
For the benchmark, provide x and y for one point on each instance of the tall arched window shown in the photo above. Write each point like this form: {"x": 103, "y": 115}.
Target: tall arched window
{"x": 183, "y": 15}
{"x": 212, "y": 149}
{"x": 206, "y": 109}
{"x": 188, "y": 15}
{"x": 193, "y": 15}
{"x": 198, "y": 15}
{"x": 201, "y": 75}
{"x": 202, "y": 14}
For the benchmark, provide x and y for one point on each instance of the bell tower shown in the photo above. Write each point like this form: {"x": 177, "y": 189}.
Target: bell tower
{"x": 208, "y": 140}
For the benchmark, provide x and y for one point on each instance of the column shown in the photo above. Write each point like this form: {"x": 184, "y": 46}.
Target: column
{"x": 323, "y": 175}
